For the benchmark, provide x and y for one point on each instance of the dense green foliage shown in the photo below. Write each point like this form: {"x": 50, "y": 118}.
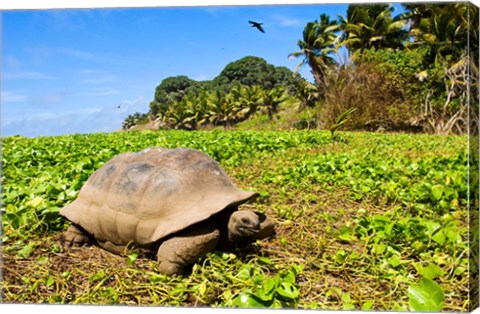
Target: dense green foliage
{"x": 372, "y": 26}
{"x": 248, "y": 72}
{"x": 134, "y": 119}
{"x": 316, "y": 47}
{"x": 171, "y": 90}
{"x": 355, "y": 230}
{"x": 415, "y": 71}
{"x": 251, "y": 71}
{"x": 399, "y": 69}
{"x": 217, "y": 108}
{"x": 427, "y": 58}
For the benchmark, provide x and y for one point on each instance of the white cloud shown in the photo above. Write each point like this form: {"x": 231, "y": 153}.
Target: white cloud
{"x": 101, "y": 79}
{"x": 10, "y": 97}
{"x": 26, "y": 75}
{"x": 100, "y": 91}
{"x": 50, "y": 98}
{"x": 95, "y": 77}
{"x": 285, "y": 20}
{"x": 13, "y": 96}
{"x": 88, "y": 72}
{"x": 80, "y": 54}
{"x": 290, "y": 22}
{"x": 12, "y": 62}
{"x": 201, "y": 77}
{"x": 87, "y": 120}
{"x": 41, "y": 54}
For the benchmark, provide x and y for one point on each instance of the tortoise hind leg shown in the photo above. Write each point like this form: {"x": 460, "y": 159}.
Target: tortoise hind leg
{"x": 112, "y": 247}
{"x": 186, "y": 248}
{"x": 75, "y": 236}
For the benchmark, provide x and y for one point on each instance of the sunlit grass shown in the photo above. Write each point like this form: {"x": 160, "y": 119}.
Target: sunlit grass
{"x": 360, "y": 221}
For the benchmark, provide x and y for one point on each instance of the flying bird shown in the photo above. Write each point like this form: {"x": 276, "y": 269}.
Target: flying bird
{"x": 257, "y": 25}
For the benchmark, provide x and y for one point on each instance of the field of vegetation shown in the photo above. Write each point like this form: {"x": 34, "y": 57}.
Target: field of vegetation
{"x": 366, "y": 221}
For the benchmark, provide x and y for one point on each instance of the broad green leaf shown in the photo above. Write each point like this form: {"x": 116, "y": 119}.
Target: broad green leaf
{"x": 394, "y": 261}
{"x": 42, "y": 260}
{"x": 50, "y": 281}
{"x": 157, "y": 278}
{"x": 202, "y": 289}
{"x": 97, "y": 276}
{"x": 348, "y": 306}
{"x": 131, "y": 258}
{"x": 266, "y": 292}
{"x": 265, "y": 260}
{"x": 379, "y": 248}
{"x": 431, "y": 271}
{"x": 244, "y": 273}
{"x": 248, "y": 300}
{"x": 289, "y": 277}
{"x": 346, "y": 298}
{"x": 35, "y": 202}
{"x": 460, "y": 270}
{"x": 428, "y": 296}
{"x": 437, "y": 192}
{"x": 347, "y": 302}
{"x": 367, "y": 305}
{"x": 227, "y": 256}
{"x": 432, "y": 227}
{"x": 389, "y": 228}
{"x": 439, "y": 237}
{"x": 26, "y": 251}
{"x": 346, "y": 234}
{"x": 288, "y": 290}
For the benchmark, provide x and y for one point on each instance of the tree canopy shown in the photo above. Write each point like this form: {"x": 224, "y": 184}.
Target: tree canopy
{"x": 418, "y": 66}
{"x": 248, "y": 71}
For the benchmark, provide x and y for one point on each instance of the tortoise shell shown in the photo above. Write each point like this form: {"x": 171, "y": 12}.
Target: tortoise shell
{"x": 146, "y": 196}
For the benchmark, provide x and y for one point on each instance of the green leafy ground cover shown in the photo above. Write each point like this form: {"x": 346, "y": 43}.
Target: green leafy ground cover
{"x": 368, "y": 221}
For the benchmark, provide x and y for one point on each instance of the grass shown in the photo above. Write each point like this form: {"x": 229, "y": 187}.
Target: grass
{"x": 360, "y": 222}
{"x": 287, "y": 118}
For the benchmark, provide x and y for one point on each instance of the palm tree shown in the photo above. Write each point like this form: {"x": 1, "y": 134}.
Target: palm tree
{"x": 371, "y": 26}
{"x": 203, "y": 103}
{"x": 271, "y": 100}
{"x": 306, "y": 93}
{"x": 221, "y": 109}
{"x": 248, "y": 102}
{"x": 444, "y": 28}
{"x": 450, "y": 32}
{"x": 316, "y": 46}
{"x": 177, "y": 115}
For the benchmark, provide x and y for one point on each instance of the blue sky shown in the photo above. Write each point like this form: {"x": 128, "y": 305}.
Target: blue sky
{"x": 66, "y": 71}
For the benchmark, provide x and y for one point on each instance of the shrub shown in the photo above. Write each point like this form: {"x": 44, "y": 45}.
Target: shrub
{"x": 365, "y": 85}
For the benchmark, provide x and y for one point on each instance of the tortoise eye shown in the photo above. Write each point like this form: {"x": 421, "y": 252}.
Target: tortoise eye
{"x": 245, "y": 220}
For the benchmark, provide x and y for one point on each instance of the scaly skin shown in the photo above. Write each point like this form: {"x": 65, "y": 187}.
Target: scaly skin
{"x": 186, "y": 248}
{"x": 75, "y": 236}
{"x": 193, "y": 243}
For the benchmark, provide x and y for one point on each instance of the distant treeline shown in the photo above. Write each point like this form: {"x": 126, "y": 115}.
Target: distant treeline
{"x": 415, "y": 71}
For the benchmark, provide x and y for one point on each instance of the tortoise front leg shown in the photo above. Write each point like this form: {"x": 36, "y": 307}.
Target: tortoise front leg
{"x": 186, "y": 248}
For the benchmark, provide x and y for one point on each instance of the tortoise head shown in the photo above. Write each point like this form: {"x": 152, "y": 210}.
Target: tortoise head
{"x": 247, "y": 226}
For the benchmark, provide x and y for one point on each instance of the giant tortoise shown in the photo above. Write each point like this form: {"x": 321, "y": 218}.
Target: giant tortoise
{"x": 178, "y": 203}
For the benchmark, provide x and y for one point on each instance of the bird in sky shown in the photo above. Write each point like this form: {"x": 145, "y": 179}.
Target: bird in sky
{"x": 257, "y": 25}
